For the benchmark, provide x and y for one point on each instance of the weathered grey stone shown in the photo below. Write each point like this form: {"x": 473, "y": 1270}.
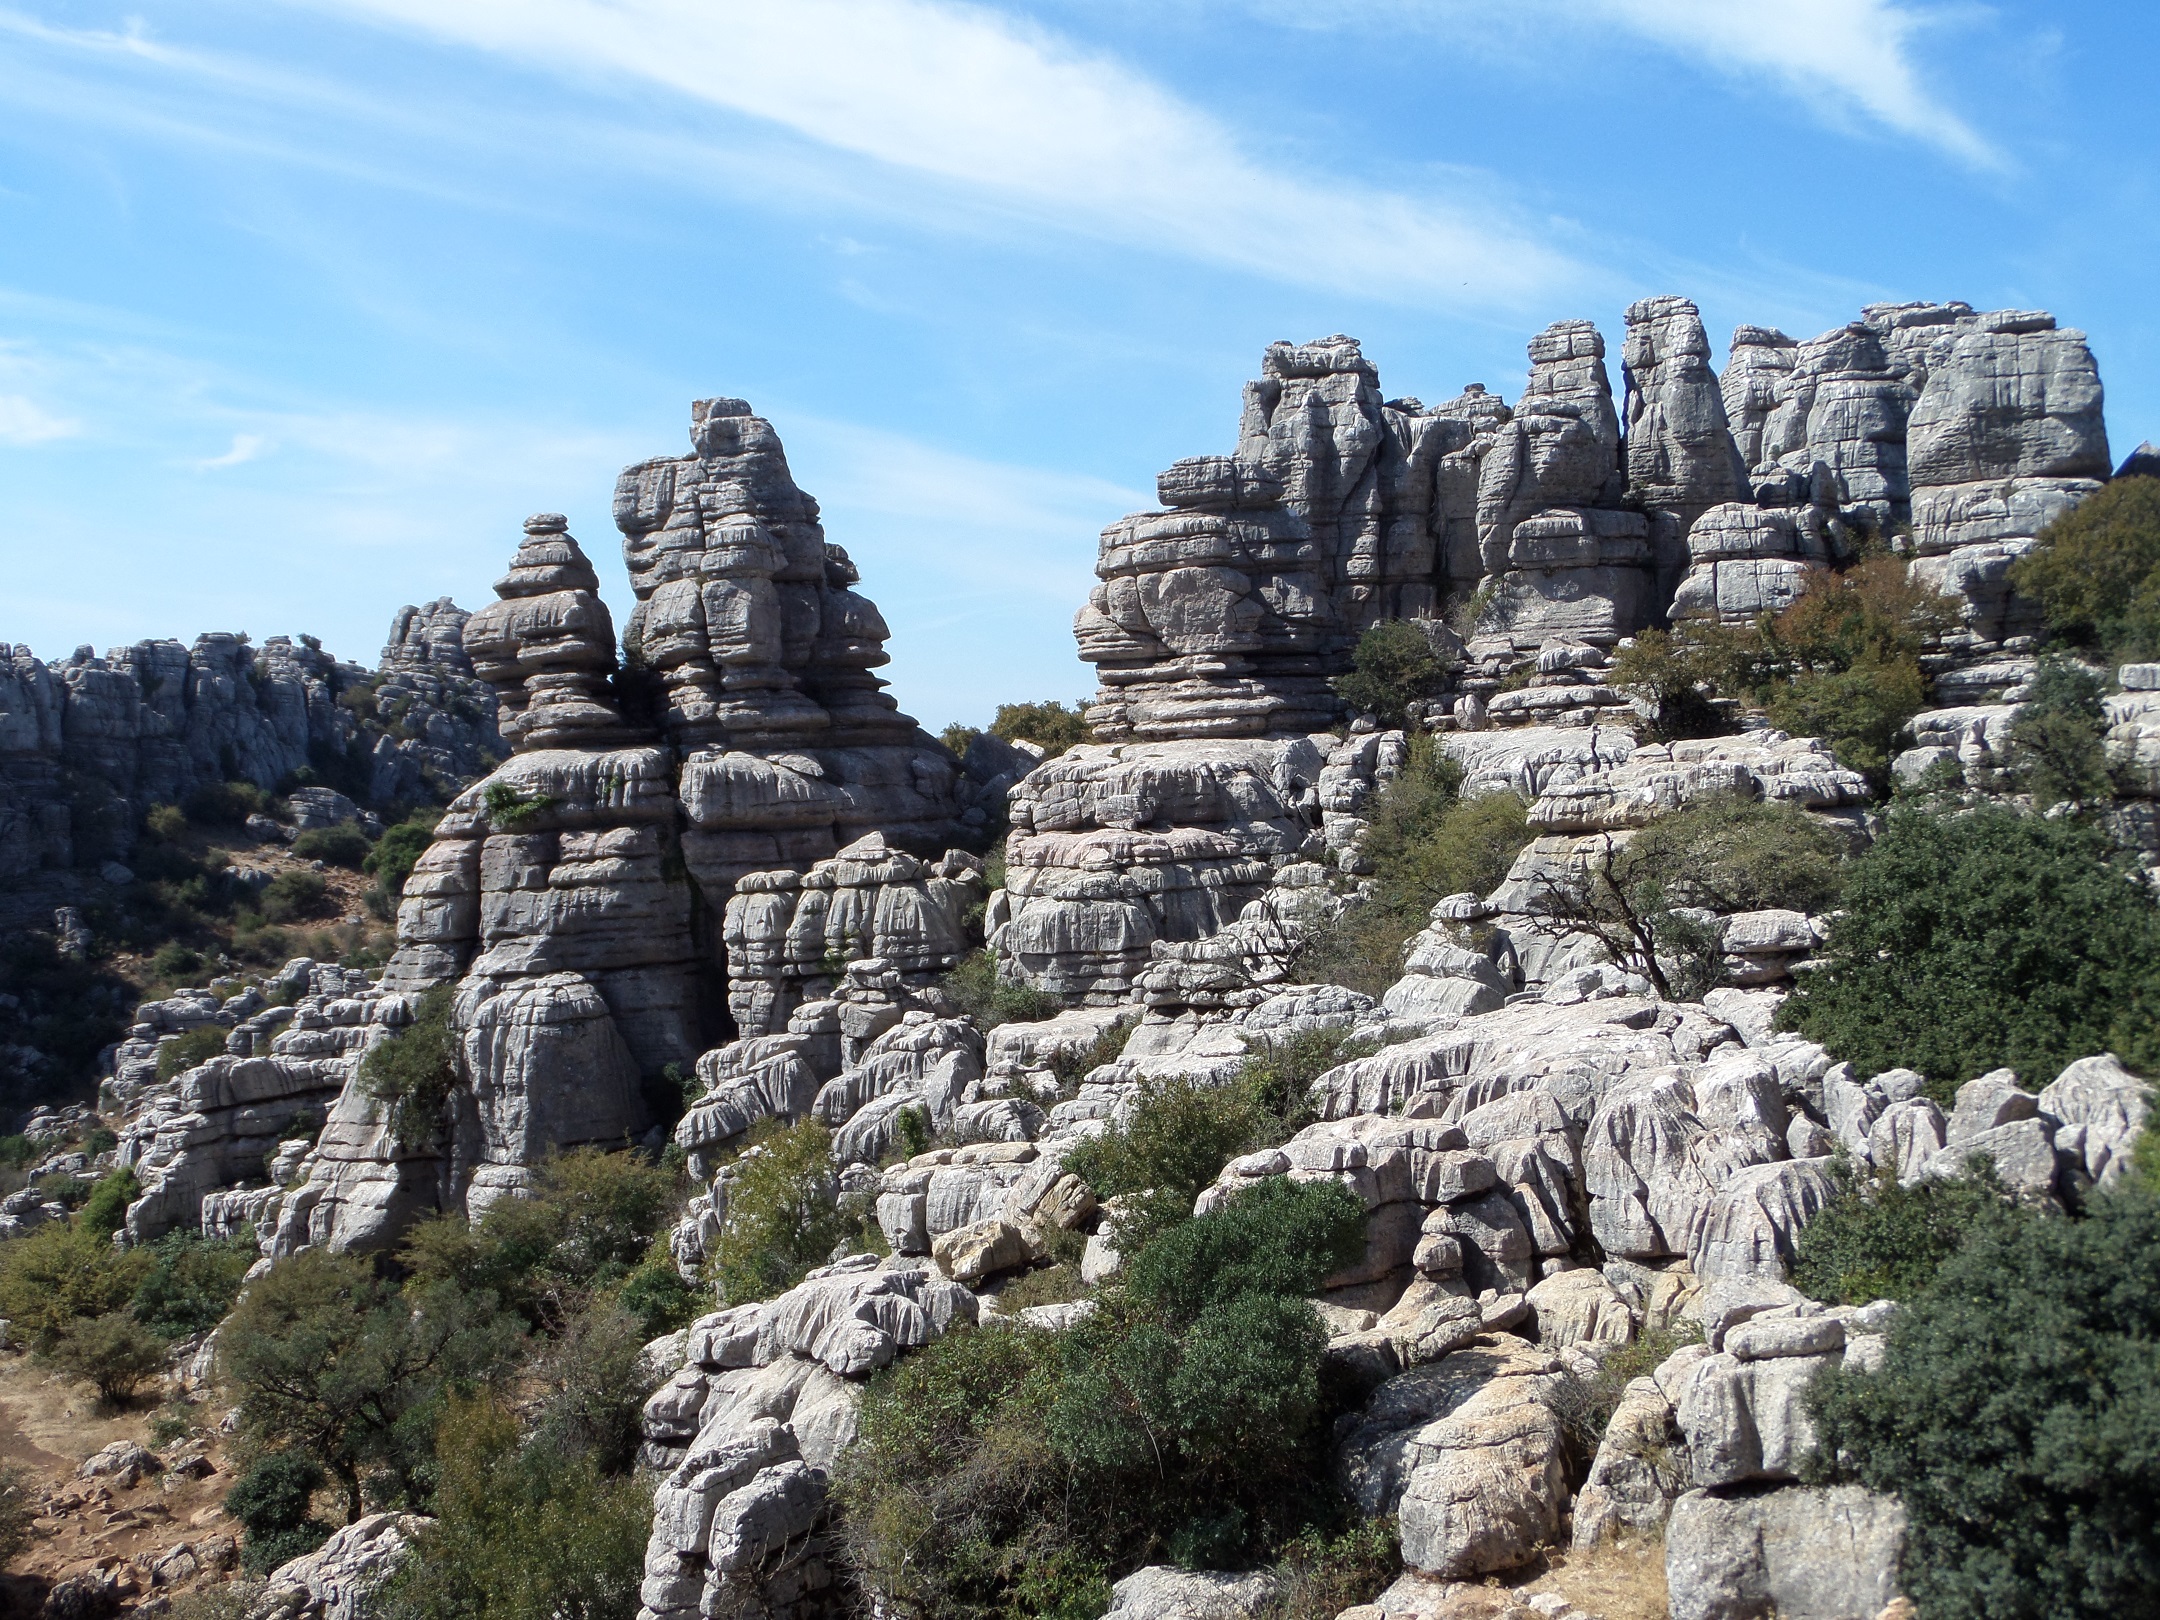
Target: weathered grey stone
{"x": 1796, "y": 1554}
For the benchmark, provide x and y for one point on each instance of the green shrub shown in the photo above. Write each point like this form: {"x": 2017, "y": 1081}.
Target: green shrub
{"x": 328, "y": 1358}
{"x": 2058, "y": 741}
{"x": 392, "y": 859}
{"x": 1279, "y": 1075}
{"x": 521, "y": 1532}
{"x": 114, "y": 1353}
{"x": 587, "y": 1226}
{"x": 192, "y": 1282}
{"x": 1677, "y": 675}
{"x": 2096, "y": 571}
{"x": 18, "y": 1152}
{"x": 18, "y": 1511}
{"x": 1174, "y": 1141}
{"x": 104, "y": 1212}
{"x": 1050, "y": 726}
{"x": 175, "y": 963}
{"x": 411, "y": 1074}
{"x": 1323, "y": 1575}
{"x": 225, "y": 804}
{"x": 342, "y": 845}
{"x": 295, "y": 896}
{"x": 1425, "y": 842}
{"x": 166, "y": 822}
{"x": 2014, "y": 1417}
{"x": 62, "y": 1273}
{"x": 658, "y": 1297}
{"x": 510, "y": 811}
{"x": 1981, "y": 938}
{"x": 989, "y": 1000}
{"x": 189, "y": 1049}
{"x": 1878, "y": 1239}
{"x": 274, "y": 1502}
{"x": 596, "y": 1388}
{"x": 1007, "y": 1472}
{"x": 1392, "y": 666}
{"x": 783, "y": 1213}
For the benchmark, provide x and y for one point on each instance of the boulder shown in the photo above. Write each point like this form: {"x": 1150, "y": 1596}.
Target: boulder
{"x": 1796, "y": 1554}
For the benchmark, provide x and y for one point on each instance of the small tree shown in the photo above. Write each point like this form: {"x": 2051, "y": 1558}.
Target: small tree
{"x": 1656, "y": 899}
{"x": 1678, "y": 675}
{"x": 2058, "y": 741}
{"x": 1393, "y": 665}
{"x": 2096, "y": 571}
{"x": 329, "y": 1359}
{"x": 113, "y": 1353}
{"x": 783, "y": 1213}
{"x": 342, "y": 845}
{"x": 1879, "y": 1239}
{"x": 411, "y": 1073}
{"x": 1174, "y": 1140}
{"x": 60, "y": 1274}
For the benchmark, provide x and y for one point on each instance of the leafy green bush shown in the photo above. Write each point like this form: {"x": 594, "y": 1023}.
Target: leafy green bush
{"x": 296, "y": 896}
{"x": 521, "y": 1532}
{"x": 1050, "y": 726}
{"x": 1392, "y": 666}
{"x": 1878, "y": 1239}
{"x": 1980, "y": 938}
{"x": 1425, "y": 842}
{"x": 18, "y": 1511}
{"x": 190, "y": 1048}
{"x": 976, "y": 989}
{"x": 175, "y": 963}
{"x": 1007, "y": 1472}
{"x": 392, "y": 859}
{"x": 104, "y": 1212}
{"x": 18, "y": 1152}
{"x": 342, "y": 845}
{"x": 114, "y": 1353}
{"x": 596, "y": 1387}
{"x": 588, "y": 1224}
{"x": 275, "y": 1504}
{"x": 658, "y": 1297}
{"x": 225, "y": 804}
{"x": 783, "y": 1213}
{"x": 2058, "y": 741}
{"x": 2015, "y": 1419}
{"x": 166, "y": 822}
{"x": 2096, "y": 571}
{"x": 192, "y": 1282}
{"x": 62, "y": 1273}
{"x": 1677, "y": 675}
{"x": 1174, "y": 1141}
{"x": 327, "y": 1358}
{"x": 1279, "y": 1074}
{"x": 411, "y": 1074}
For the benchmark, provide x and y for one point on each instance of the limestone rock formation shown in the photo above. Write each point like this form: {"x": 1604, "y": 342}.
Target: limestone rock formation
{"x": 1681, "y": 459}
{"x": 151, "y": 723}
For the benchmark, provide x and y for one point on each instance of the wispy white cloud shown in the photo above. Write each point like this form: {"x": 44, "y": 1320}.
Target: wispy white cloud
{"x": 245, "y": 447}
{"x": 1846, "y": 60}
{"x": 1855, "y": 54}
{"x": 970, "y": 98}
{"x": 23, "y": 421}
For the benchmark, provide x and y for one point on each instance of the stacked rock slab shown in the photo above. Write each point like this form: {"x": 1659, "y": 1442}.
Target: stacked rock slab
{"x": 762, "y": 653}
{"x": 1681, "y": 459}
{"x": 581, "y": 900}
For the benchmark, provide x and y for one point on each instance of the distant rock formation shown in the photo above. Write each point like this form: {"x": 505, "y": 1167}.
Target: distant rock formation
{"x": 89, "y": 744}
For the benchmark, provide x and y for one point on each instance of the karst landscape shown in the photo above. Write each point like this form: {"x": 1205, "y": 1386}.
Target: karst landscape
{"x": 1566, "y": 1036}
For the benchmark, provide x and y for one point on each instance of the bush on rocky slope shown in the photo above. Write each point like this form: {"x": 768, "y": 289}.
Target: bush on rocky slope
{"x": 784, "y": 1213}
{"x": 1007, "y": 1472}
{"x": 2016, "y": 1417}
{"x": 274, "y": 1502}
{"x": 2058, "y": 742}
{"x": 2096, "y": 571}
{"x": 1879, "y": 1239}
{"x": 1392, "y": 666}
{"x": 1975, "y": 938}
{"x": 1425, "y": 841}
{"x": 523, "y": 1531}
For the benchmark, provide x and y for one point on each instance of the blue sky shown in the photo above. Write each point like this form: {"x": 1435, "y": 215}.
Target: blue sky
{"x": 304, "y": 304}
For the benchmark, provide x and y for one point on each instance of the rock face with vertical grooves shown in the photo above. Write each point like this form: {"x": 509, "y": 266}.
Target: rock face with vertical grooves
{"x": 581, "y": 901}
